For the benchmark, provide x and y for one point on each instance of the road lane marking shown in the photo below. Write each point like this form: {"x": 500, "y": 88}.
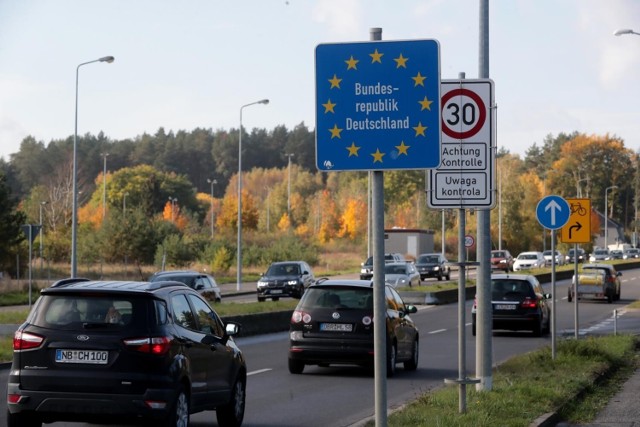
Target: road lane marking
{"x": 259, "y": 371}
{"x": 437, "y": 331}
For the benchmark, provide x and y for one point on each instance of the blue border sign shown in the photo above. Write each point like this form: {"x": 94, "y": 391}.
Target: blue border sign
{"x": 553, "y": 212}
{"x": 378, "y": 105}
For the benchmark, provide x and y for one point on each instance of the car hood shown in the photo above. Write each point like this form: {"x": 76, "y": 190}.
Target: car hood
{"x": 286, "y": 277}
{"x": 427, "y": 264}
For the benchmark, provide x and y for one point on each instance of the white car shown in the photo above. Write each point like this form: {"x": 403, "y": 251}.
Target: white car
{"x": 547, "y": 257}
{"x": 600, "y": 255}
{"x": 631, "y": 253}
{"x": 400, "y": 274}
{"x": 528, "y": 260}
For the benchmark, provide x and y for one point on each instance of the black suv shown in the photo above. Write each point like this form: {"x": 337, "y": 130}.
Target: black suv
{"x": 285, "y": 279}
{"x": 204, "y": 283}
{"x": 433, "y": 265}
{"x": 333, "y": 324}
{"x": 122, "y": 352}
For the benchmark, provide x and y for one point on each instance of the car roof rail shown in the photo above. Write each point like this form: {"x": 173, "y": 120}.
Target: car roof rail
{"x": 68, "y": 281}
{"x": 320, "y": 280}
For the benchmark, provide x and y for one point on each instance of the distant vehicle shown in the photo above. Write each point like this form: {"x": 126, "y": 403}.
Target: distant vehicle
{"x": 366, "y": 270}
{"x": 600, "y": 281}
{"x": 548, "y": 257}
{"x": 600, "y": 255}
{"x": 501, "y": 260}
{"x": 433, "y": 265}
{"x": 631, "y": 253}
{"x": 204, "y": 283}
{"x": 119, "y": 351}
{"x": 616, "y": 254}
{"x": 399, "y": 274}
{"x": 528, "y": 260}
{"x": 333, "y": 325}
{"x": 518, "y": 303}
{"x": 285, "y": 279}
{"x": 581, "y": 256}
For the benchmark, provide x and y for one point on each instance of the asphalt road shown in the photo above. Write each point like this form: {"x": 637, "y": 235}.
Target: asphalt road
{"x": 343, "y": 396}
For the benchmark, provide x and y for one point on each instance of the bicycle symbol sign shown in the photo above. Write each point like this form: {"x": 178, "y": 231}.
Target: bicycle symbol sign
{"x": 578, "y": 227}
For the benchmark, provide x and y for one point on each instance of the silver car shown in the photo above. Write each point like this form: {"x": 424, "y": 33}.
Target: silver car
{"x": 399, "y": 274}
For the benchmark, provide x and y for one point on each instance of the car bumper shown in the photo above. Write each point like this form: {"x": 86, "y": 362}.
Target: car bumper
{"x": 513, "y": 323}
{"x": 284, "y": 291}
{"x": 350, "y": 352}
{"x": 90, "y": 407}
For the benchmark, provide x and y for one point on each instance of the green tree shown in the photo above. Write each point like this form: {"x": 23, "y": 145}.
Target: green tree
{"x": 11, "y": 234}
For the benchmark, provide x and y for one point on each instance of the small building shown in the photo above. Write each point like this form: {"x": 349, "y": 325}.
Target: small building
{"x": 409, "y": 242}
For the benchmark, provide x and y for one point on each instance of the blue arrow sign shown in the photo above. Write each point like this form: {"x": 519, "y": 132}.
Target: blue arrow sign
{"x": 553, "y": 212}
{"x": 378, "y": 105}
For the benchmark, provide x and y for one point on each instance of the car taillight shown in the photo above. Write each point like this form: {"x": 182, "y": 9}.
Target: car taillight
{"x": 150, "y": 345}
{"x": 26, "y": 341}
{"x": 300, "y": 316}
{"x": 529, "y": 303}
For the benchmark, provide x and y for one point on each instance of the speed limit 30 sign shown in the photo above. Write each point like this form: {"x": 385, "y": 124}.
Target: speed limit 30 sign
{"x": 466, "y": 175}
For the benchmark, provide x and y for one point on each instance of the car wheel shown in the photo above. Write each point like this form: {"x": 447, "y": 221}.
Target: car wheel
{"x": 439, "y": 277}
{"x": 22, "y": 420}
{"x": 179, "y": 413}
{"x": 300, "y": 291}
{"x": 610, "y": 297}
{"x": 412, "y": 364}
{"x": 232, "y": 414}
{"x": 391, "y": 360}
{"x": 537, "y": 328}
{"x": 449, "y": 275}
{"x": 473, "y": 329}
{"x": 261, "y": 299}
{"x": 296, "y": 366}
{"x": 570, "y": 295}
{"x": 275, "y": 299}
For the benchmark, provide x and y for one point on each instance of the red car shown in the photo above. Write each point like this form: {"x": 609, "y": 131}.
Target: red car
{"x": 501, "y": 260}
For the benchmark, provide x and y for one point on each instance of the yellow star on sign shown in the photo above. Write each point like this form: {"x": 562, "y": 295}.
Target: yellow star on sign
{"x": 419, "y": 79}
{"x": 353, "y": 150}
{"x": 351, "y": 63}
{"x": 335, "y": 132}
{"x": 377, "y": 156}
{"x": 403, "y": 149}
{"x": 328, "y": 107}
{"x": 335, "y": 82}
{"x": 401, "y": 61}
{"x": 426, "y": 104}
{"x": 376, "y": 57}
{"x": 420, "y": 129}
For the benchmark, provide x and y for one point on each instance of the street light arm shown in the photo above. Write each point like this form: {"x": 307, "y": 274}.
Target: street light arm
{"x": 623, "y": 31}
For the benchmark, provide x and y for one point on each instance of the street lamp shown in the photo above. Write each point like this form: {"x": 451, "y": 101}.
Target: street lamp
{"x": 289, "y": 188}
{"x": 104, "y": 186}
{"x": 606, "y": 215}
{"x": 239, "y": 255}
{"x": 124, "y": 204}
{"x": 74, "y": 213}
{"x": 623, "y": 31}
{"x": 212, "y": 182}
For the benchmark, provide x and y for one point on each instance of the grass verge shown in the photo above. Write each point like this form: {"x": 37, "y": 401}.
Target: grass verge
{"x": 530, "y": 385}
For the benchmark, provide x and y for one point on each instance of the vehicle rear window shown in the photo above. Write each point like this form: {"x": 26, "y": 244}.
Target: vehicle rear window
{"x": 355, "y": 298}
{"x": 69, "y": 311}
{"x": 501, "y": 289}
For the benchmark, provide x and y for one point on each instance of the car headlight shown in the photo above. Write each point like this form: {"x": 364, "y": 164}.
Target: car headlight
{"x": 436, "y": 268}
{"x": 261, "y": 283}
{"x": 292, "y": 282}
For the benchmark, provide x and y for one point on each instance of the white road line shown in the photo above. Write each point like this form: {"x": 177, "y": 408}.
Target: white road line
{"x": 259, "y": 371}
{"x": 437, "y": 331}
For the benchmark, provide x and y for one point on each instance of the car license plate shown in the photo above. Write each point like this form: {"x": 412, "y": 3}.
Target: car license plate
{"x": 94, "y": 357}
{"x": 276, "y": 291}
{"x": 505, "y": 306}
{"x": 336, "y": 327}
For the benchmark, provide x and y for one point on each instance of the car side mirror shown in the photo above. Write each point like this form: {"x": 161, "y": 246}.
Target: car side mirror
{"x": 410, "y": 309}
{"x": 232, "y": 328}
{"x": 305, "y": 272}
{"x": 619, "y": 273}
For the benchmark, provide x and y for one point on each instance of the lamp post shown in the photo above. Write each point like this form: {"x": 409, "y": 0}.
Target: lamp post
{"x": 104, "y": 186}
{"x": 124, "y": 204}
{"x": 289, "y": 187}
{"x": 239, "y": 254}
{"x": 74, "y": 213}
{"x": 606, "y": 215}
{"x": 41, "y": 233}
{"x": 623, "y": 31}
{"x": 212, "y": 182}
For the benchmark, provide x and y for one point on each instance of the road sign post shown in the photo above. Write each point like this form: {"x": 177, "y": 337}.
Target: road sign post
{"x": 466, "y": 175}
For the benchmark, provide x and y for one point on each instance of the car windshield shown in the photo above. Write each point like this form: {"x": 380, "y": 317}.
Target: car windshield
{"x": 434, "y": 259}
{"x": 187, "y": 280}
{"x": 498, "y": 255}
{"x": 328, "y": 297}
{"x": 510, "y": 289}
{"x": 528, "y": 256}
{"x": 284, "y": 270}
{"x": 70, "y": 311}
{"x": 395, "y": 269}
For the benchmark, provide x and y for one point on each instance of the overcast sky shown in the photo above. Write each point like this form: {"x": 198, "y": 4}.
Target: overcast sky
{"x": 556, "y": 65}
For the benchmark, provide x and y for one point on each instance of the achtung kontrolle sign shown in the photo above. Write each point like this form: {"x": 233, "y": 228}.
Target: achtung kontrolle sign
{"x": 466, "y": 175}
{"x": 378, "y": 105}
